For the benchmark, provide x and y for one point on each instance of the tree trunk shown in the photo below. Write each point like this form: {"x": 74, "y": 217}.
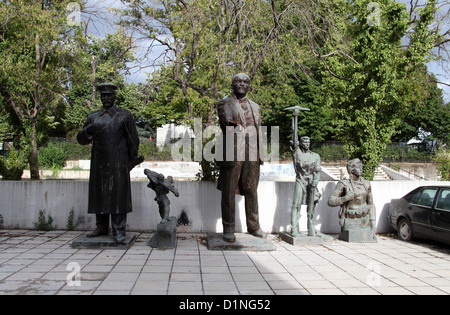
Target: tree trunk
{"x": 34, "y": 158}
{"x": 213, "y": 98}
{"x": 94, "y": 73}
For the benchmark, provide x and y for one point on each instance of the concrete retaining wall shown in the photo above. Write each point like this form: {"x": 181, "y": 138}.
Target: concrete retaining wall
{"x": 198, "y": 205}
{"x": 178, "y": 170}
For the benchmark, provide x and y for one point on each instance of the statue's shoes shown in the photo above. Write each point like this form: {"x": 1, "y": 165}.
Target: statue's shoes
{"x": 98, "y": 232}
{"x": 119, "y": 237}
{"x": 259, "y": 233}
{"x": 229, "y": 237}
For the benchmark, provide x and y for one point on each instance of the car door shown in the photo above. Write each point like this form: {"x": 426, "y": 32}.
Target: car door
{"x": 440, "y": 218}
{"x": 420, "y": 210}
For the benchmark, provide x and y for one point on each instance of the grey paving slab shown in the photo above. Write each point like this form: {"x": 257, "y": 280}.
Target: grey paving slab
{"x": 42, "y": 263}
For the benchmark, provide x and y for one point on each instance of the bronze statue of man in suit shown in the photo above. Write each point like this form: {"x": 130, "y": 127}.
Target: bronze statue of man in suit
{"x": 115, "y": 145}
{"x": 240, "y": 121}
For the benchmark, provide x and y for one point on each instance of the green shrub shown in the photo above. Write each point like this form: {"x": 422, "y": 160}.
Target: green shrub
{"x": 53, "y": 156}
{"x": 43, "y": 223}
{"x": 331, "y": 152}
{"x": 442, "y": 160}
{"x": 77, "y": 151}
{"x": 396, "y": 153}
{"x": 152, "y": 153}
{"x": 70, "y": 221}
{"x": 12, "y": 166}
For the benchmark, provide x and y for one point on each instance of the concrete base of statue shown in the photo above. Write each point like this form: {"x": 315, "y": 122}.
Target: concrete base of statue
{"x": 358, "y": 236}
{"x": 103, "y": 242}
{"x": 244, "y": 242}
{"x": 304, "y": 239}
{"x": 166, "y": 235}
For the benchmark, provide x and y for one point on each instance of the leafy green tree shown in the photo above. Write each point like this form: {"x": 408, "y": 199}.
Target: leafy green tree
{"x": 371, "y": 92}
{"x": 429, "y": 115}
{"x": 12, "y": 165}
{"x": 206, "y": 42}
{"x": 364, "y": 79}
{"x": 442, "y": 160}
{"x": 33, "y": 66}
{"x": 100, "y": 60}
{"x": 5, "y": 132}
{"x": 278, "y": 91}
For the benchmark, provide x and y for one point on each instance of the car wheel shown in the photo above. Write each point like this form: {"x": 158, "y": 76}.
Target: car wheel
{"x": 405, "y": 231}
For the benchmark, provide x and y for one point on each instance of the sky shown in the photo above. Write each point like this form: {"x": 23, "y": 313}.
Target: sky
{"x": 102, "y": 21}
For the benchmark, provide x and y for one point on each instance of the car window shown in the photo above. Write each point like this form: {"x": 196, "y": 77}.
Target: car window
{"x": 444, "y": 200}
{"x": 411, "y": 195}
{"x": 425, "y": 197}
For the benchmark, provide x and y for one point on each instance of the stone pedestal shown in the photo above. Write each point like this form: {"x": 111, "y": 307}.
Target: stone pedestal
{"x": 166, "y": 235}
{"x": 103, "y": 242}
{"x": 304, "y": 239}
{"x": 244, "y": 242}
{"x": 358, "y": 236}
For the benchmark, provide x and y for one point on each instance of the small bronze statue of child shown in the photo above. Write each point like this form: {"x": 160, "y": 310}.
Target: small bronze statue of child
{"x": 162, "y": 186}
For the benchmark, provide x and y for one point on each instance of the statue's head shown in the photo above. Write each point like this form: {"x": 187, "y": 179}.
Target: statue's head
{"x": 355, "y": 167}
{"x": 305, "y": 143}
{"x": 107, "y": 94}
{"x": 241, "y": 84}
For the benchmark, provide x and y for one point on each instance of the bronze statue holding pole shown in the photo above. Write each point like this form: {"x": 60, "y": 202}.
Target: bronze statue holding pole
{"x": 307, "y": 170}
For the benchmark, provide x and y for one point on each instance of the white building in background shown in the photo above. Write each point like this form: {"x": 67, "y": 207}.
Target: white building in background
{"x": 171, "y": 133}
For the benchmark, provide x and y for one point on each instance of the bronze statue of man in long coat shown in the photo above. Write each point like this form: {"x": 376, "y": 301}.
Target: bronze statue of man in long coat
{"x": 115, "y": 145}
{"x": 240, "y": 121}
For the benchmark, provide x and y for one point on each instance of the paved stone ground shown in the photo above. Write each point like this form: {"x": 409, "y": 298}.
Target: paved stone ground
{"x": 34, "y": 262}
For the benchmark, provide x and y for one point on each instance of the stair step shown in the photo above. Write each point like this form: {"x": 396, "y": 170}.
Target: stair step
{"x": 336, "y": 172}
